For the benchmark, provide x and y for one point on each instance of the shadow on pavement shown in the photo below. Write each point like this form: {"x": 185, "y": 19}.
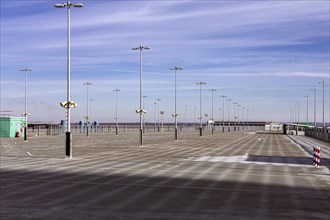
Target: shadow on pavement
{"x": 58, "y": 195}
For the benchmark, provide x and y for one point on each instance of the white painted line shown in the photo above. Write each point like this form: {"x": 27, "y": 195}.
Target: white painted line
{"x": 205, "y": 158}
{"x": 29, "y": 153}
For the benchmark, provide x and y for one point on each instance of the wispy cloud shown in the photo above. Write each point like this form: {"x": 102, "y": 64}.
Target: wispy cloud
{"x": 229, "y": 44}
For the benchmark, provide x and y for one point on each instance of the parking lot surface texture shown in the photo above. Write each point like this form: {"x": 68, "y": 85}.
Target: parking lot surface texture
{"x": 233, "y": 175}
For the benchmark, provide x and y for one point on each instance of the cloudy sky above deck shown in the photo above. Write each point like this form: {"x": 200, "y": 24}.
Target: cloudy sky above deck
{"x": 264, "y": 55}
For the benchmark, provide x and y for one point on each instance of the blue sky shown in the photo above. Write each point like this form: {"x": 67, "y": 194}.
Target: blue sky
{"x": 264, "y": 55}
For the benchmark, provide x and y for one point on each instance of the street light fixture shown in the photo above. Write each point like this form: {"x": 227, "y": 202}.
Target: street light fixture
{"x": 175, "y": 115}
{"x": 68, "y": 138}
{"x": 200, "y": 108}
{"x": 116, "y": 118}
{"x": 141, "y": 111}
{"x": 87, "y": 84}
{"x": 25, "y": 114}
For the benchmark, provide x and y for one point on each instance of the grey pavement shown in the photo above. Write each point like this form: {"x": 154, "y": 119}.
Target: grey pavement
{"x": 237, "y": 175}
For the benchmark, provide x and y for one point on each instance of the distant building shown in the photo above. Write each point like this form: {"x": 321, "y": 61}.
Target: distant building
{"x": 273, "y": 126}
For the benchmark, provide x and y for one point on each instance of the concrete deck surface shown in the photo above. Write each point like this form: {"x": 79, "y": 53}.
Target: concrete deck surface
{"x": 237, "y": 175}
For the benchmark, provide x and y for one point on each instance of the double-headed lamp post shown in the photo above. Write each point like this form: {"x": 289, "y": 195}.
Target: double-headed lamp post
{"x": 175, "y": 115}
{"x": 87, "y": 84}
{"x": 141, "y": 111}
{"x": 116, "y": 118}
{"x": 25, "y": 114}
{"x": 68, "y": 102}
{"x": 200, "y": 107}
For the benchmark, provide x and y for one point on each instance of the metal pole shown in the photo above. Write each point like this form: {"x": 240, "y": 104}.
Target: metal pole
{"x": 175, "y": 113}
{"x": 158, "y": 113}
{"x": 185, "y": 117}
{"x": 314, "y": 90}
{"x": 25, "y": 114}
{"x": 141, "y": 111}
{"x": 144, "y": 120}
{"x": 26, "y": 127}
{"x": 234, "y": 115}
{"x": 306, "y": 109}
{"x": 200, "y": 109}
{"x": 223, "y": 112}
{"x": 228, "y": 114}
{"x": 87, "y": 116}
{"x": 141, "y": 125}
{"x": 195, "y": 117}
{"x": 219, "y": 117}
{"x": 117, "y": 127}
{"x": 212, "y": 90}
{"x": 68, "y": 136}
{"x": 155, "y": 116}
{"x": 323, "y": 123}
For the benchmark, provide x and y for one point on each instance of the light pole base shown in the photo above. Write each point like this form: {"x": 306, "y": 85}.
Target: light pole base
{"x": 200, "y": 131}
{"x": 117, "y": 130}
{"x": 176, "y": 134}
{"x": 141, "y": 137}
{"x": 68, "y": 144}
{"x": 25, "y": 134}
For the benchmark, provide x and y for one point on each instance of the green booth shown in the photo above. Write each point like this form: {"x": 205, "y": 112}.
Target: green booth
{"x": 10, "y": 125}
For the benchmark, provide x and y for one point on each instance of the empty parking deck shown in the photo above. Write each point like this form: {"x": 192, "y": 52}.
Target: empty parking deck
{"x": 241, "y": 175}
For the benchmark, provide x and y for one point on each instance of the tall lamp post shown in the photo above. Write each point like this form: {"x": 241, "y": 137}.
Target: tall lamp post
{"x": 238, "y": 116}
{"x": 212, "y": 91}
{"x": 228, "y": 114}
{"x": 219, "y": 117}
{"x": 25, "y": 114}
{"x": 243, "y": 108}
{"x": 200, "y": 108}
{"x": 235, "y": 103}
{"x": 141, "y": 111}
{"x": 87, "y": 84}
{"x": 306, "y": 96}
{"x": 68, "y": 103}
{"x": 323, "y": 123}
{"x": 158, "y": 113}
{"x": 175, "y": 115}
{"x": 223, "y": 112}
{"x": 116, "y": 118}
